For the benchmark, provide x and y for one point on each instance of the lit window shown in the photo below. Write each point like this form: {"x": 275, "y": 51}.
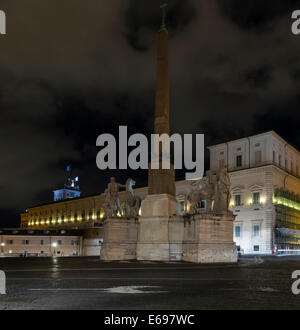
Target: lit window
{"x": 237, "y": 200}
{"x": 256, "y": 230}
{"x": 256, "y": 198}
{"x": 237, "y": 231}
{"x": 256, "y": 248}
{"x": 201, "y": 205}
{"x": 182, "y": 206}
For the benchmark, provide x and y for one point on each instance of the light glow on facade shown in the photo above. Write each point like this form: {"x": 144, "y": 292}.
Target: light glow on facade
{"x": 263, "y": 200}
{"x": 286, "y": 202}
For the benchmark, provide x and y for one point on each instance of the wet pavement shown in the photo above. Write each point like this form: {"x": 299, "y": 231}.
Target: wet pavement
{"x": 87, "y": 283}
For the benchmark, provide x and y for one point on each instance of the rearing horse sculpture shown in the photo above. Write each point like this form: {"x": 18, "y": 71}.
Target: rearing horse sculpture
{"x": 132, "y": 202}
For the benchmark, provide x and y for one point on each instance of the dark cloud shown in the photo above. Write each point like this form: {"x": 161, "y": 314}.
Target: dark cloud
{"x": 142, "y": 17}
{"x": 69, "y": 73}
{"x": 258, "y": 77}
{"x": 284, "y": 118}
{"x": 257, "y": 15}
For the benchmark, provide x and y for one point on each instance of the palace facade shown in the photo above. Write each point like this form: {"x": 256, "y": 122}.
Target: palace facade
{"x": 265, "y": 189}
{"x": 265, "y": 196}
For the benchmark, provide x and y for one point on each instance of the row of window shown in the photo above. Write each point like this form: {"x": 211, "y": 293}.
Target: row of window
{"x": 258, "y": 160}
{"x": 42, "y": 242}
{"x": 255, "y": 231}
{"x": 256, "y": 199}
{"x": 99, "y": 216}
{"x": 256, "y": 248}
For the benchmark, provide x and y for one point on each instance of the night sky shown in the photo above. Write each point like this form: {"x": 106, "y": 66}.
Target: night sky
{"x": 71, "y": 70}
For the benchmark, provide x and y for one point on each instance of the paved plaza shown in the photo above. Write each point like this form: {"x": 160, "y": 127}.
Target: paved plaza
{"x": 87, "y": 283}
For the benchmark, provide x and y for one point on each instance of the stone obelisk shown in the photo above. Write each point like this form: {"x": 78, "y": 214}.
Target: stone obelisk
{"x": 159, "y": 228}
{"x": 162, "y": 181}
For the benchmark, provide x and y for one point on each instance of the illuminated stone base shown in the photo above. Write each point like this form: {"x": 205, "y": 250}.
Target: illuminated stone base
{"x": 208, "y": 238}
{"x": 201, "y": 238}
{"x": 162, "y": 205}
{"x": 120, "y": 237}
{"x": 209, "y": 253}
{"x": 160, "y": 238}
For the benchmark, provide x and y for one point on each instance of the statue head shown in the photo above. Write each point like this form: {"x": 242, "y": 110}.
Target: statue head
{"x": 112, "y": 180}
{"x": 130, "y": 184}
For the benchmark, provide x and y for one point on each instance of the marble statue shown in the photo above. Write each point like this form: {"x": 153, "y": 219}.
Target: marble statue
{"x": 132, "y": 202}
{"x": 112, "y": 202}
{"x": 203, "y": 189}
{"x": 222, "y": 191}
{"x": 112, "y": 205}
{"x": 214, "y": 189}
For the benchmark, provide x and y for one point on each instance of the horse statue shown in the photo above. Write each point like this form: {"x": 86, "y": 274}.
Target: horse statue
{"x": 132, "y": 202}
{"x": 203, "y": 189}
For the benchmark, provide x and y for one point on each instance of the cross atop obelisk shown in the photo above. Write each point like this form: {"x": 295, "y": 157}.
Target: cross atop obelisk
{"x": 162, "y": 98}
{"x": 162, "y": 181}
{"x": 163, "y": 8}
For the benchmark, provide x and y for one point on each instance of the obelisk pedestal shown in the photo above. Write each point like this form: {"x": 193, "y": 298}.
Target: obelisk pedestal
{"x": 161, "y": 231}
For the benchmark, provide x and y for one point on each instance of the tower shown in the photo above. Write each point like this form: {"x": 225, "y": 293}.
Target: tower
{"x": 71, "y": 188}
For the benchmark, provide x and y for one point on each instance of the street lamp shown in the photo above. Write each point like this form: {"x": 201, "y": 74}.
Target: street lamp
{"x": 2, "y": 248}
{"x": 54, "y": 245}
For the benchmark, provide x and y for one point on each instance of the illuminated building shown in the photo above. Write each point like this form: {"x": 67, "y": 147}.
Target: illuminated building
{"x": 265, "y": 189}
{"x": 16, "y": 242}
